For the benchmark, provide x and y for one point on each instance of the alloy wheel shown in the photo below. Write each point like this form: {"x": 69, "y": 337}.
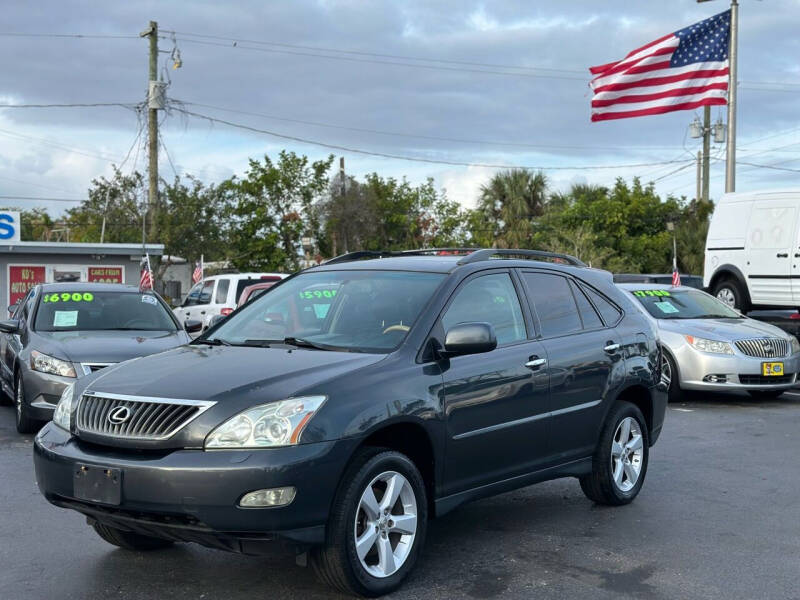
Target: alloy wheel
{"x": 19, "y": 398}
{"x": 385, "y": 524}
{"x": 726, "y": 296}
{"x": 626, "y": 454}
{"x": 666, "y": 371}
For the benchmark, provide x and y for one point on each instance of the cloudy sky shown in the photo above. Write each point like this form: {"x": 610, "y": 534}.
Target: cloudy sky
{"x": 486, "y": 83}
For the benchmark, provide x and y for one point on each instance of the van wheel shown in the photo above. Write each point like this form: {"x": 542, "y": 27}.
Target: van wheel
{"x": 730, "y": 291}
{"x": 619, "y": 464}
{"x": 129, "y": 540}
{"x": 377, "y": 525}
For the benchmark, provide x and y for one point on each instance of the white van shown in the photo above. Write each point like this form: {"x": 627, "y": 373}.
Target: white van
{"x": 753, "y": 250}
{"x": 218, "y": 295}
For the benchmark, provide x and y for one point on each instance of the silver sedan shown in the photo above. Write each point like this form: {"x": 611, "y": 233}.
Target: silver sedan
{"x": 707, "y": 345}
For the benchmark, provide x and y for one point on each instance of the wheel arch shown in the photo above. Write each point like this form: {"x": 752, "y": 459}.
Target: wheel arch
{"x": 411, "y": 438}
{"x": 666, "y": 350}
{"x": 725, "y": 271}
{"x": 639, "y": 396}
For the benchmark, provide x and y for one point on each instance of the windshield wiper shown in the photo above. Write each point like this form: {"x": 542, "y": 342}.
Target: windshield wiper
{"x": 212, "y": 342}
{"x": 290, "y": 341}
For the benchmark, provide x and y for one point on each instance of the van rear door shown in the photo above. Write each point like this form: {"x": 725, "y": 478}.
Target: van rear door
{"x": 770, "y": 238}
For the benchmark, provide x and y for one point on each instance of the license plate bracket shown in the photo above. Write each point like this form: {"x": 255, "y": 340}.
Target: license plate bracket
{"x": 772, "y": 369}
{"x": 97, "y": 484}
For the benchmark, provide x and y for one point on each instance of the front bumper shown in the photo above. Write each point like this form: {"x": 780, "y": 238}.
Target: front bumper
{"x": 42, "y": 392}
{"x": 740, "y": 372}
{"x": 193, "y": 495}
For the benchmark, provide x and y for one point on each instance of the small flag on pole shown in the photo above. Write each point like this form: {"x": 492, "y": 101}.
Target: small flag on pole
{"x": 197, "y": 275}
{"x": 676, "y": 277}
{"x": 680, "y": 71}
{"x": 146, "y": 277}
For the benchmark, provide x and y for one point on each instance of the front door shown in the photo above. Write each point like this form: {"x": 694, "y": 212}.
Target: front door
{"x": 582, "y": 350}
{"x": 770, "y": 238}
{"x": 197, "y": 302}
{"x": 496, "y": 403}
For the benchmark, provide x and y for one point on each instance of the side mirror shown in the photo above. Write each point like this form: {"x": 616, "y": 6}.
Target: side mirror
{"x": 469, "y": 338}
{"x": 193, "y": 326}
{"x": 9, "y": 326}
{"x": 216, "y": 319}
{"x": 13, "y": 308}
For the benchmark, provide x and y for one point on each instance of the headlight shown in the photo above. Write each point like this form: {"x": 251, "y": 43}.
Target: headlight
{"x": 48, "y": 364}
{"x": 795, "y": 345}
{"x": 712, "y": 346}
{"x": 62, "y": 415}
{"x": 266, "y": 426}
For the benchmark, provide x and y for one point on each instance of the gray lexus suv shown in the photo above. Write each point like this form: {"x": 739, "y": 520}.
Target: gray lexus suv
{"x": 354, "y": 401}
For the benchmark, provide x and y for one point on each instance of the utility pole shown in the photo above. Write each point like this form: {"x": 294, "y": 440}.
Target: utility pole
{"x": 730, "y": 150}
{"x": 154, "y": 98}
{"x": 699, "y": 175}
{"x": 343, "y": 191}
{"x": 706, "y": 149}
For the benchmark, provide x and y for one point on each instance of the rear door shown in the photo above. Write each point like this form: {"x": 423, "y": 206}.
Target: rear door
{"x": 496, "y": 402}
{"x": 770, "y": 238}
{"x": 581, "y": 352}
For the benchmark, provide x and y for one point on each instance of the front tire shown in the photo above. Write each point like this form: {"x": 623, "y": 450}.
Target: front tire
{"x": 129, "y": 540}
{"x": 670, "y": 378}
{"x": 619, "y": 464}
{"x": 731, "y": 292}
{"x": 377, "y": 525}
{"x": 25, "y": 424}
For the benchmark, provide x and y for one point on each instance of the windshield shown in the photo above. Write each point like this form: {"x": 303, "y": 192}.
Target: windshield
{"x": 94, "y": 311}
{"x": 683, "y": 304}
{"x": 365, "y": 311}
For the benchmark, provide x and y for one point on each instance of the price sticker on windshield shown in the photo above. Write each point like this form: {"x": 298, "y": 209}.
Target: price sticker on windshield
{"x": 311, "y": 294}
{"x": 651, "y": 293}
{"x": 68, "y": 297}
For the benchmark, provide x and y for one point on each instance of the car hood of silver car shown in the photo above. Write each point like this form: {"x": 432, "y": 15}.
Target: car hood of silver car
{"x": 106, "y": 346}
{"x": 724, "y": 330}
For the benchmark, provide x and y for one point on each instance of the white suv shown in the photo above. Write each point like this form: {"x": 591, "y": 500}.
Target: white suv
{"x": 218, "y": 295}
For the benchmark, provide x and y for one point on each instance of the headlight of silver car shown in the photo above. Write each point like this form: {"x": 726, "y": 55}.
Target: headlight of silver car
{"x": 712, "y": 346}
{"x": 48, "y": 364}
{"x": 63, "y": 414}
{"x": 795, "y": 345}
{"x": 266, "y": 426}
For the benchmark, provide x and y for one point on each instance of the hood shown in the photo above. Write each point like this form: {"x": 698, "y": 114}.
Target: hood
{"x": 106, "y": 346}
{"x": 198, "y": 372}
{"x": 725, "y": 330}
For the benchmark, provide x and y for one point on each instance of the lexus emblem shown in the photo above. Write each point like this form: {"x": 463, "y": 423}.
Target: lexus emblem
{"x": 119, "y": 415}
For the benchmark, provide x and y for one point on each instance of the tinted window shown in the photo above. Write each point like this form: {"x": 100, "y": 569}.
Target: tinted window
{"x": 589, "y": 316}
{"x": 194, "y": 295}
{"x": 205, "y": 292}
{"x": 222, "y": 291}
{"x": 555, "y": 306}
{"x": 608, "y": 311}
{"x": 243, "y": 283}
{"x": 490, "y": 299}
{"x": 369, "y": 311}
{"x": 91, "y": 311}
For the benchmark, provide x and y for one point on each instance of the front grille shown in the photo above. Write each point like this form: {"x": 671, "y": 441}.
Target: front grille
{"x": 134, "y": 417}
{"x": 764, "y": 347}
{"x": 765, "y": 380}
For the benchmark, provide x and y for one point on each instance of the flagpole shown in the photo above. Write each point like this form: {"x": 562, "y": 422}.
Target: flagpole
{"x": 730, "y": 149}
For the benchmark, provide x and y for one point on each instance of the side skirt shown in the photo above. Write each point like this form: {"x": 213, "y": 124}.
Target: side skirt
{"x": 574, "y": 468}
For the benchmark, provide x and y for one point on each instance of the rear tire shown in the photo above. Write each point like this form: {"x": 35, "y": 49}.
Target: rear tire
{"x": 765, "y": 394}
{"x": 731, "y": 292}
{"x": 130, "y": 540}
{"x": 619, "y": 464}
{"x": 25, "y": 424}
{"x": 387, "y": 547}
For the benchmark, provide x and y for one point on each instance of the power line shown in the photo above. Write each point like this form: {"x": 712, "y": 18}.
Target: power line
{"x": 43, "y": 199}
{"x": 58, "y": 145}
{"x": 768, "y": 167}
{"x": 419, "y": 136}
{"x": 74, "y": 105}
{"x": 68, "y": 35}
{"x": 411, "y": 158}
{"x": 376, "y": 54}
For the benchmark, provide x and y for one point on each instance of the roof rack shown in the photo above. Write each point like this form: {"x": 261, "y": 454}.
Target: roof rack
{"x": 489, "y": 253}
{"x": 364, "y": 254}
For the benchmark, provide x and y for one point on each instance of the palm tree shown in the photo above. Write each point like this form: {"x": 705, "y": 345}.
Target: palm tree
{"x": 510, "y": 202}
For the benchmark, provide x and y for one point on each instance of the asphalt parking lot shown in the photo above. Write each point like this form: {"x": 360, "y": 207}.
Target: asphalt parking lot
{"x": 719, "y": 517}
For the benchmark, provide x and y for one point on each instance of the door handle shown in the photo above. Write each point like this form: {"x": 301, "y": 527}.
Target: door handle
{"x": 797, "y": 254}
{"x": 611, "y": 348}
{"x": 782, "y": 255}
{"x": 202, "y": 312}
{"x": 535, "y": 363}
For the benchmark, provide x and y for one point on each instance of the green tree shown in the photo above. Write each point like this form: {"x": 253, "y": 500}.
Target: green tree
{"x": 271, "y": 209}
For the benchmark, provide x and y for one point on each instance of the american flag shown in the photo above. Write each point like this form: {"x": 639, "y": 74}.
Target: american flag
{"x": 146, "y": 277}
{"x": 197, "y": 274}
{"x": 676, "y": 277}
{"x": 680, "y": 71}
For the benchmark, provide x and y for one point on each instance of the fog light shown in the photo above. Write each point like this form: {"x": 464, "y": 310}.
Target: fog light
{"x": 272, "y": 497}
{"x": 716, "y": 378}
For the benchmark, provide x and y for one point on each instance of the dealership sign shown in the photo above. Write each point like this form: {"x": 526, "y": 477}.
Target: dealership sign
{"x": 21, "y": 278}
{"x": 105, "y": 274}
{"x": 9, "y": 226}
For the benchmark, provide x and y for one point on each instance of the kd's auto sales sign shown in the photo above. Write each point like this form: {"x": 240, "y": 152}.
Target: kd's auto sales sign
{"x": 9, "y": 226}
